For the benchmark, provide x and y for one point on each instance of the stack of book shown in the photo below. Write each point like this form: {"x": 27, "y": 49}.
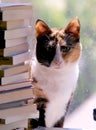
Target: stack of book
{"x": 15, "y": 86}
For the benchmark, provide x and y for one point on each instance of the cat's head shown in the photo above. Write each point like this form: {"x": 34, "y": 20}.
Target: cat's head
{"x": 58, "y": 46}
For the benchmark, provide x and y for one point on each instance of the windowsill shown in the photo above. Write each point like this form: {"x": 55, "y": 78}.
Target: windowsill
{"x": 42, "y": 128}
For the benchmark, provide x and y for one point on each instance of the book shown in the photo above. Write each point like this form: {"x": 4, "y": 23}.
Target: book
{"x": 16, "y": 85}
{"x": 17, "y": 95}
{"x": 10, "y": 51}
{"x": 15, "y": 11}
{"x": 14, "y": 78}
{"x": 19, "y": 113}
{"x": 20, "y": 128}
{"x": 56, "y": 128}
{"x": 17, "y": 110}
{"x": 15, "y": 125}
{"x": 19, "y": 125}
{"x": 15, "y": 33}
{"x": 14, "y": 24}
{"x": 14, "y": 60}
{"x": 4, "y": 43}
{"x": 11, "y": 6}
{"x": 15, "y": 104}
{"x": 13, "y": 69}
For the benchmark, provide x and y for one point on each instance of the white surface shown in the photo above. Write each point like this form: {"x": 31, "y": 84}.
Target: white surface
{"x": 42, "y": 128}
{"x": 83, "y": 116}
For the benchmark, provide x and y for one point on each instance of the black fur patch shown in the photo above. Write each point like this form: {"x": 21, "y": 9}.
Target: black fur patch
{"x": 44, "y": 51}
{"x": 41, "y": 106}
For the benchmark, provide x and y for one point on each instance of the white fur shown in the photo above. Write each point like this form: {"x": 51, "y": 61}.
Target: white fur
{"x": 58, "y": 83}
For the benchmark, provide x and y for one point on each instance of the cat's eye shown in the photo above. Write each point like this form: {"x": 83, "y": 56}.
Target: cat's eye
{"x": 65, "y": 48}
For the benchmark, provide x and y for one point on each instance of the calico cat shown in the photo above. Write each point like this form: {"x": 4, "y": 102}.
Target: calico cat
{"x": 56, "y": 70}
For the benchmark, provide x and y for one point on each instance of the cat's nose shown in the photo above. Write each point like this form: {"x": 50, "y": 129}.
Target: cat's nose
{"x": 58, "y": 62}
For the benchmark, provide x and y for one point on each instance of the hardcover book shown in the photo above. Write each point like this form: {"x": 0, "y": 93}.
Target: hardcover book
{"x": 10, "y": 70}
{"x": 4, "y": 43}
{"x": 14, "y": 86}
{"x": 14, "y": 24}
{"x": 15, "y": 33}
{"x": 11, "y": 51}
{"x": 18, "y": 95}
{"x": 14, "y": 60}
{"x": 15, "y": 11}
{"x": 11, "y": 115}
{"x": 14, "y": 78}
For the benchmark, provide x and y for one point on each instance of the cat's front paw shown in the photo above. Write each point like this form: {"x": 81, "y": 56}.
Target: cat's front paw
{"x": 33, "y": 123}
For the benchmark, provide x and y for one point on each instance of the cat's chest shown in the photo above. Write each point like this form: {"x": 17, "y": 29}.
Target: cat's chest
{"x": 55, "y": 82}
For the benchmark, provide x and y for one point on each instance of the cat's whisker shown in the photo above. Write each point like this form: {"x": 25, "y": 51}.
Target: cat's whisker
{"x": 68, "y": 37}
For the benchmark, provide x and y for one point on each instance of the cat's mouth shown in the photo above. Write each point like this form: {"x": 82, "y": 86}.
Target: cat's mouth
{"x": 56, "y": 64}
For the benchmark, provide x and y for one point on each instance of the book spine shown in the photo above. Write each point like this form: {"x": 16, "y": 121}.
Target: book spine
{"x": 2, "y": 34}
{"x": 0, "y": 81}
{"x": 1, "y": 52}
{"x": 0, "y": 15}
{"x": 3, "y": 25}
{"x": 1, "y": 73}
{"x": 2, "y": 43}
{"x": 2, "y": 121}
{"x": 30, "y": 124}
{"x": 6, "y": 60}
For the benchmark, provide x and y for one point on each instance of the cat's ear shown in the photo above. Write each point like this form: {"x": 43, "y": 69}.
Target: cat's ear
{"x": 73, "y": 28}
{"x": 42, "y": 28}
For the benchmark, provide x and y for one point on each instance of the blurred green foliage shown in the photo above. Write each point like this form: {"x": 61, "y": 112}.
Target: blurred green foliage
{"x": 59, "y": 16}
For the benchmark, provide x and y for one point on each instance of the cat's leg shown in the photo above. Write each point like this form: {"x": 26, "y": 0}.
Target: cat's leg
{"x": 60, "y": 123}
{"x": 56, "y": 112}
{"x": 41, "y": 106}
{"x": 41, "y": 100}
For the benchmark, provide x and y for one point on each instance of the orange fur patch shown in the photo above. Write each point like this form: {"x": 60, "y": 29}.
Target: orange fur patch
{"x": 41, "y": 28}
{"x": 73, "y": 55}
{"x": 38, "y": 92}
{"x": 74, "y": 28}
